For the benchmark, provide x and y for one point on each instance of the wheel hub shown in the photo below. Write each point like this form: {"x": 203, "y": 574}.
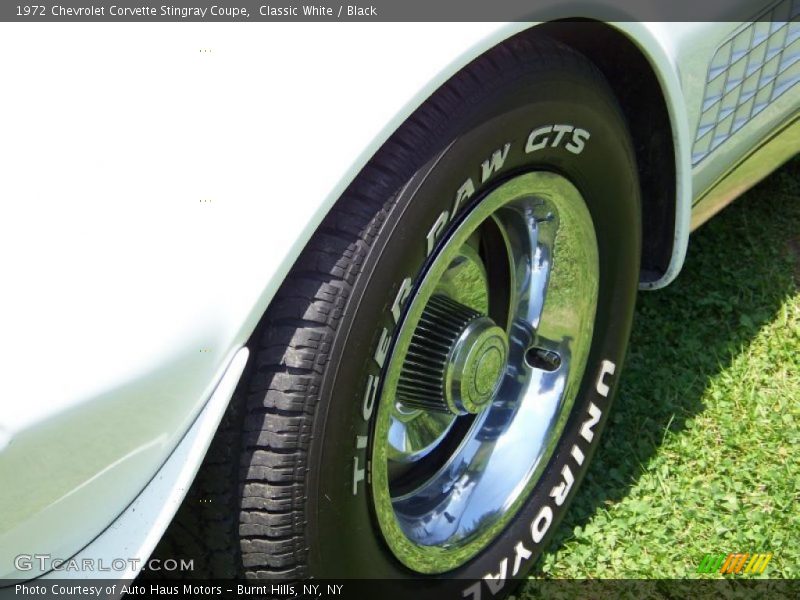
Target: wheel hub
{"x": 455, "y": 361}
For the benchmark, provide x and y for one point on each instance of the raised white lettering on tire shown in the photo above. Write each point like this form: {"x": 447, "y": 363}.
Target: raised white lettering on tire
{"x": 594, "y": 418}
{"x": 606, "y": 368}
{"x": 578, "y": 142}
{"x": 541, "y": 523}
{"x": 495, "y": 582}
{"x": 560, "y": 492}
{"x": 495, "y": 163}
{"x": 521, "y": 553}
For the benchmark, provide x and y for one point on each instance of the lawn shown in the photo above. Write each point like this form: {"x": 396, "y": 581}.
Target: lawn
{"x": 701, "y": 451}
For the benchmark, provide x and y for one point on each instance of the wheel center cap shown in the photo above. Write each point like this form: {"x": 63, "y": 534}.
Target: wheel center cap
{"x": 476, "y": 366}
{"x": 487, "y": 369}
{"x": 455, "y": 362}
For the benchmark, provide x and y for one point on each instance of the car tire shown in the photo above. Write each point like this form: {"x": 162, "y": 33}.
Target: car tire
{"x": 483, "y": 266}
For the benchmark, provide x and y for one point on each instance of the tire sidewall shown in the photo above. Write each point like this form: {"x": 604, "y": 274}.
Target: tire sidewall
{"x": 344, "y": 536}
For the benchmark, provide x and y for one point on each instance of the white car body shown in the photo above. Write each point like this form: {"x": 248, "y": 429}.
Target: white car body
{"x": 158, "y": 182}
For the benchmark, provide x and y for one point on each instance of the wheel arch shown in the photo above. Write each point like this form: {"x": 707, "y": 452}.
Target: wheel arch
{"x": 643, "y": 89}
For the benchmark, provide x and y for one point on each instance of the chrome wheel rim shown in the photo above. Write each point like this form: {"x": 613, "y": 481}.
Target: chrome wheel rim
{"x": 484, "y": 371}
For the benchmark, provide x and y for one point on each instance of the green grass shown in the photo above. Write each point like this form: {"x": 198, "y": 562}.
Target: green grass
{"x": 702, "y": 451}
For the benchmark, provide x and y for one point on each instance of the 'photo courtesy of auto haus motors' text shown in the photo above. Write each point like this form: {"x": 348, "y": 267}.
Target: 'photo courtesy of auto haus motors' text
{"x": 400, "y": 299}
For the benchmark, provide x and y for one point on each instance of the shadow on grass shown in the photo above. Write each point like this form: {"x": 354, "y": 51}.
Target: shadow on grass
{"x": 741, "y": 267}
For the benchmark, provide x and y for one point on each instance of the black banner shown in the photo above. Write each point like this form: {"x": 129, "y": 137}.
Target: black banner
{"x": 421, "y": 589}
{"x": 244, "y": 11}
